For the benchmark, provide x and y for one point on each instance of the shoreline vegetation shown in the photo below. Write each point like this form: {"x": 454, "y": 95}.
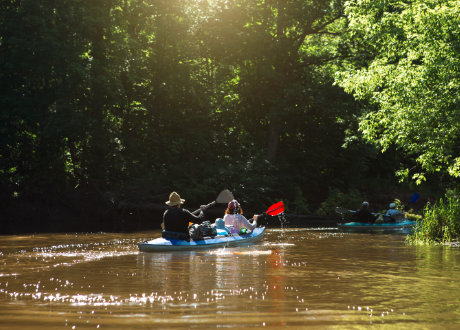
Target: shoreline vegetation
{"x": 441, "y": 222}
{"x": 86, "y": 210}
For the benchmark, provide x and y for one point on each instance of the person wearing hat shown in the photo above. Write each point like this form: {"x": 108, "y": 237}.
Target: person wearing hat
{"x": 393, "y": 213}
{"x": 176, "y": 219}
{"x": 234, "y": 217}
{"x": 364, "y": 214}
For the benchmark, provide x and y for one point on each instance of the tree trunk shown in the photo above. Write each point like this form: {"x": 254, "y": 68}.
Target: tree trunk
{"x": 273, "y": 138}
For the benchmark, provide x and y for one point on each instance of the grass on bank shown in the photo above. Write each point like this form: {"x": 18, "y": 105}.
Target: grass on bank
{"x": 441, "y": 222}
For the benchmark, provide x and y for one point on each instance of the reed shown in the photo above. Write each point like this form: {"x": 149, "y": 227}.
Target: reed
{"x": 441, "y": 222}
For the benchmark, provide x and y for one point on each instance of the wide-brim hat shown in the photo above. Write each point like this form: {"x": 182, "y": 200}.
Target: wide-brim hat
{"x": 174, "y": 199}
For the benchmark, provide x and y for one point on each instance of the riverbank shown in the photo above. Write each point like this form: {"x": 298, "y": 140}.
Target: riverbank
{"x": 88, "y": 210}
{"x": 38, "y": 218}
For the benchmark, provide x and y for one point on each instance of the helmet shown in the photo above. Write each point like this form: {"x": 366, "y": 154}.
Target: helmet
{"x": 392, "y": 205}
{"x": 365, "y": 204}
{"x": 233, "y": 204}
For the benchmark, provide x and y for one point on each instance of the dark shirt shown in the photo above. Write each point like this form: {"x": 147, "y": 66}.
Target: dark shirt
{"x": 364, "y": 215}
{"x": 176, "y": 219}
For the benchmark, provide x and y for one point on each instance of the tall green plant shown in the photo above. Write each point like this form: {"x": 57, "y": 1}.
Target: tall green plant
{"x": 441, "y": 222}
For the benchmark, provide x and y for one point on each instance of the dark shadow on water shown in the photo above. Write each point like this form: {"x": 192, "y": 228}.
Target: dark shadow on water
{"x": 302, "y": 221}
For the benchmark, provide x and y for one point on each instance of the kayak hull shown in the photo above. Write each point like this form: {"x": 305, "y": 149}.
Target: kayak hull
{"x": 164, "y": 244}
{"x": 403, "y": 227}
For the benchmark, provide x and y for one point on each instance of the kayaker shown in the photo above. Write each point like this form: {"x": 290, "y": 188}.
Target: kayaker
{"x": 176, "y": 219}
{"x": 234, "y": 217}
{"x": 393, "y": 213}
{"x": 363, "y": 214}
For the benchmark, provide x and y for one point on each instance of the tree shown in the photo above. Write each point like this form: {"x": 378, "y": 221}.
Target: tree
{"x": 274, "y": 46}
{"x": 40, "y": 74}
{"x": 406, "y": 62}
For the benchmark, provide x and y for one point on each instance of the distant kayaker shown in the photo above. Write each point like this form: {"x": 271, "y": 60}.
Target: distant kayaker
{"x": 364, "y": 214}
{"x": 176, "y": 219}
{"x": 234, "y": 217}
{"x": 393, "y": 213}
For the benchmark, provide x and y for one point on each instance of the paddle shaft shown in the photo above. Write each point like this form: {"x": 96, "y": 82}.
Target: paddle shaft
{"x": 205, "y": 207}
{"x": 224, "y": 196}
{"x": 275, "y": 209}
{"x": 342, "y": 210}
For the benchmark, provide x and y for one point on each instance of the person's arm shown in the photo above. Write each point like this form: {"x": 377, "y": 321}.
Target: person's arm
{"x": 247, "y": 224}
{"x": 163, "y": 222}
{"x": 196, "y": 218}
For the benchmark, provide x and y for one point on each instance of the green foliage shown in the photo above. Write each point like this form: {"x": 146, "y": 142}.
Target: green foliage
{"x": 132, "y": 99}
{"x": 300, "y": 203}
{"x": 413, "y": 216}
{"x": 406, "y": 61}
{"x": 441, "y": 221}
{"x": 399, "y": 205}
{"x": 350, "y": 200}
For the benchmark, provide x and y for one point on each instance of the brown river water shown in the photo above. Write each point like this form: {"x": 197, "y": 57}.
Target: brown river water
{"x": 294, "y": 278}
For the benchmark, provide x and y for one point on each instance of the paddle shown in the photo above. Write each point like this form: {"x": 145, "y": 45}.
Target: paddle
{"x": 275, "y": 209}
{"x": 224, "y": 196}
{"x": 413, "y": 199}
{"x": 342, "y": 210}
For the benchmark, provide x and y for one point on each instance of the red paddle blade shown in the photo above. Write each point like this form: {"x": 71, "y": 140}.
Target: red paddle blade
{"x": 276, "y": 209}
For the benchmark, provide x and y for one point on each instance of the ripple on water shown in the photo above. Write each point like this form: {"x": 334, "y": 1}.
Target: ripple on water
{"x": 279, "y": 244}
{"x": 298, "y": 278}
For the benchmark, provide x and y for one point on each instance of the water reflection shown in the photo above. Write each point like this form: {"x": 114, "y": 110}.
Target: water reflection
{"x": 294, "y": 277}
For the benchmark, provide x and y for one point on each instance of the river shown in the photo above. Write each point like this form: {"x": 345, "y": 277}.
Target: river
{"x": 295, "y": 278}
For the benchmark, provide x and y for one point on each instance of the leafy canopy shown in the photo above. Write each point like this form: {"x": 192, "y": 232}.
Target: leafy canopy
{"x": 406, "y": 61}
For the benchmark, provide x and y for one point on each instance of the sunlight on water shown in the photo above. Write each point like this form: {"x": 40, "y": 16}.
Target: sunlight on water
{"x": 222, "y": 252}
{"x": 295, "y": 277}
{"x": 253, "y": 253}
{"x": 279, "y": 244}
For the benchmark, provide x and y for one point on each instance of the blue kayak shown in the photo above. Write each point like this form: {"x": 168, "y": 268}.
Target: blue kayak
{"x": 401, "y": 227}
{"x": 167, "y": 244}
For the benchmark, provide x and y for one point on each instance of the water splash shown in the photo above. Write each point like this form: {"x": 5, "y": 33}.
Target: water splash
{"x": 283, "y": 219}
{"x": 254, "y": 252}
{"x": 281, "y": 244}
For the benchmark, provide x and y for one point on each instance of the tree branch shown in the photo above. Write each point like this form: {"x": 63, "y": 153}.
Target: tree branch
{"x": 317, "y": 30}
